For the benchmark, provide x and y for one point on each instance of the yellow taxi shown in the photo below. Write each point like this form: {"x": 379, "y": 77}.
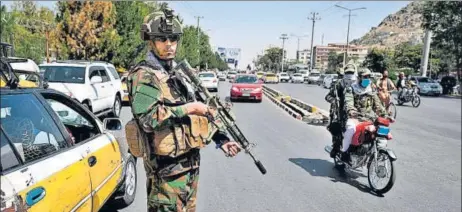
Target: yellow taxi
{"x": 260, "y": 74}
{"x": 123, "y": 79}
{"x": 58, "y": 156}
{"x": 26, "y": 70}
{"x": 270, "y": 78}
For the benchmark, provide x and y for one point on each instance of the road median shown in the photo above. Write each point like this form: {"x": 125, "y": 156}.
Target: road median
{"x": 298, "y": 109}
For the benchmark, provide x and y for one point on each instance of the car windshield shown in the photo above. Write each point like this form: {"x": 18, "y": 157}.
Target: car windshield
{"x": 270, "y": 75}
{"x": 425, "y": 80}
{"x": 334, "y": 77}
{"x": 246, "y": 79}
{"x": 315, "y": 74}
{"x": 206, "y": 75}
{"x": 284, "y": 75}
{"x": 297, "y": 75}
{"x": 65, "y": 74}
{"x": 231, "y": 72}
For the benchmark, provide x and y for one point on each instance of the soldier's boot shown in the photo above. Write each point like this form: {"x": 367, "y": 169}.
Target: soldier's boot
{"x": 346, "y": 158}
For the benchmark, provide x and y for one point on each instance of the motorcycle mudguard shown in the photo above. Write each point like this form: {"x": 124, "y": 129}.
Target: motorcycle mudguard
{"x": 391, "y": 154}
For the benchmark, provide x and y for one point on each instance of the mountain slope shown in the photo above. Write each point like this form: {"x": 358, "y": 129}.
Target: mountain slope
{"x": 402, "y": 26}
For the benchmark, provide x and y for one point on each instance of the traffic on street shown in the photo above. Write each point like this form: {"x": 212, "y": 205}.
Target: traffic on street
{"x": 302, "y": 177}
{"x": 122, "y": 106}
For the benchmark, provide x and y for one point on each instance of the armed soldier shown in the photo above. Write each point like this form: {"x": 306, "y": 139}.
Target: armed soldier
{"x": 360, "y": 104}
{"x": 166, "y": 130}
{"x": 335, "y": 98}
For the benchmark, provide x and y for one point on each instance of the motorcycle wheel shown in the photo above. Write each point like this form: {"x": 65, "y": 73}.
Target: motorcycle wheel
{"x": 392, "y": 110}
{"x": 415, "y": 101}
{"x": 373, "y": 171}
{"x": 339, "y": 165}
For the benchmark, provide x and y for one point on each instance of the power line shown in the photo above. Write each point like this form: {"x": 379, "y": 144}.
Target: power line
{"x": 345, "y": 57}
{"x": 314, "y": 19}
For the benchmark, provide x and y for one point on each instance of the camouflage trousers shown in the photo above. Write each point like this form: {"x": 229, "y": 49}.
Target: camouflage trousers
{"x": 176, "y": 193}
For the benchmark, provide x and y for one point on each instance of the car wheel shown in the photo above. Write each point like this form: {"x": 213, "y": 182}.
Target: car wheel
{"x": 258, "y": 100}
{"x": 127, "y": 190}
{"x": 116, "y": 107}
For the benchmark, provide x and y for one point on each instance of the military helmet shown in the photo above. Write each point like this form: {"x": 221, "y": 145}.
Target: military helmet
{"x": 340, "y": 71}
{"x": 350, "y": 68}
{"x": 160, "y": 23}
{"x": 364, "y": 72}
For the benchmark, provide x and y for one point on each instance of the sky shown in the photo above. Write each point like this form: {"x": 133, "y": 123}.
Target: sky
{"x": 253, "y": 26}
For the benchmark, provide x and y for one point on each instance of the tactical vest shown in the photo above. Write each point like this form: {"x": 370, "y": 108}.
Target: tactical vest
{"x": 176, "y": 138}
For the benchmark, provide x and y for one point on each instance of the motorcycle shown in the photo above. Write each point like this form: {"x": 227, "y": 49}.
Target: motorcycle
{"x": 409, "y": 96}
{"x": 368, "y": 148}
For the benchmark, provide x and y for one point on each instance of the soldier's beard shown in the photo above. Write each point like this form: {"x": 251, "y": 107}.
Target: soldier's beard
{"x": 166, "y": 63}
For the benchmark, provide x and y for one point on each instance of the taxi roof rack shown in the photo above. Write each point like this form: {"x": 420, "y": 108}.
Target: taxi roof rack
{"x": 10, "y": 77}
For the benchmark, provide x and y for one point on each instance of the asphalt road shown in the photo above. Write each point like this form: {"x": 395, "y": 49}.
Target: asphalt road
{"x": 427, "y": 141}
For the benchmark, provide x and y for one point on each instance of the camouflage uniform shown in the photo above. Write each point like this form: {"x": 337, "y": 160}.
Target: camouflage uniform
{"x": 337, "y": 115}
{"x": 172, "y": 137}
{"x": 360, "y": 103}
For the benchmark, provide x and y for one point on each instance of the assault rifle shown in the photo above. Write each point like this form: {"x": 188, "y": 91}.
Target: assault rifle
{"x": 223, "y": 113}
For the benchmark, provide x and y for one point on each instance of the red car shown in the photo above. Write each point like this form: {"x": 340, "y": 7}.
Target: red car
{"x": 246, "y": 86}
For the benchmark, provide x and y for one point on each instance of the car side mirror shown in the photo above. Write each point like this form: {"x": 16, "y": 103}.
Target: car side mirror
{"x": 112, "y": 124}
{"x": 96, "y": 79}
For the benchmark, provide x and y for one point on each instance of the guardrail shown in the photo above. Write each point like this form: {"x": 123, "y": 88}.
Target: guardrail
{"x": 298, "y": 109}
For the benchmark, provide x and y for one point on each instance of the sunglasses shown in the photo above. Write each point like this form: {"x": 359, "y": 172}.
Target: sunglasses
{"x": 163, "y": 38}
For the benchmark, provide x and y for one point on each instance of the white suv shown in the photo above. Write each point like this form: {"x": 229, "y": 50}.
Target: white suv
{"x": 94, "y": 84}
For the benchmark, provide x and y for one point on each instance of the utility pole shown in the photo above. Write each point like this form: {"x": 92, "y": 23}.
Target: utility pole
{"x": 198, "y": 40}
{"x": 426, "y": 51}
{"x": 314, "y": 19}
{"x": 345, "y": 56}
{"x": 284, "y": 38}
{"x": 299, "y": 37}
{"x": 322, "y": 39}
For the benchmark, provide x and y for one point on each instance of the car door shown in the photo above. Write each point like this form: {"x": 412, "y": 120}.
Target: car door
{"x": 98, "y": 101}
{"x": 102, "y": 153}
{"x": 40, "y": 169}
{"x": 108, "y": 91}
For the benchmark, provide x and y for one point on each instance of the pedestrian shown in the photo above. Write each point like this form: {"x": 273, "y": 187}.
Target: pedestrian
{"x": 165, "y": 130}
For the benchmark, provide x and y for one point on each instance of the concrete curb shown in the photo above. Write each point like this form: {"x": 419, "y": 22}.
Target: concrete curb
{"x": 302, "y": 111}
{"x": 283, "y": 106}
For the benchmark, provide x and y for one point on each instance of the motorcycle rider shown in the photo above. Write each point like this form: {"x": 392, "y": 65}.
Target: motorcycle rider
{"x": 401, "y": 85}
{"x": 335, "y": 98}
{"x": 361, "y": 104}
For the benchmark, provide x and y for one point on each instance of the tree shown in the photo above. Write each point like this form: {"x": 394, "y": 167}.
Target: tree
{"x": 377, "y": 60}
{"x": 86, "y": 29}
{"x": 130, "y": 15}
{"x": 444, "y": 19}
{"x": 408, "y": 56}
{"x": 334, "y": 61}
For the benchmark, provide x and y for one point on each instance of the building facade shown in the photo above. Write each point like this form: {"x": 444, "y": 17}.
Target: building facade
{"x": 304, "y": 56}
{"x": 356, "y": 54}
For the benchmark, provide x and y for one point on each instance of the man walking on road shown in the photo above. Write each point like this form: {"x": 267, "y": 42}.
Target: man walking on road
{"x": 335, "y": 98}
{"x": 384, "y": 86}
{"x": 166, "y": 131}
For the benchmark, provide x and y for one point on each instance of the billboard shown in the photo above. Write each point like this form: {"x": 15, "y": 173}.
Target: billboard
{"x": 230, "y": 55}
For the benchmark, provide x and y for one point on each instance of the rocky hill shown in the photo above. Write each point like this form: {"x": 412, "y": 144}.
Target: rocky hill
{"x": 403, "y": 26}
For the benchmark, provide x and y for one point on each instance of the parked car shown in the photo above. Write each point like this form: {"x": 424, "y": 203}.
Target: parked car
{"x": 313, "y": 77}
{"x": 96, "y": 85}
{"x": 53, "y": 148}
{"x": 247, "y": 86}
{"x": 427, "y": 86}
{"x": 209, "y": 80}
{"x": 283, "y": 77}
{"x": 320, "y": 79}
{"x": 329, "y": 81}
{"x": 448, "y": 83}
{"x": 270, "y": 78}
{"x": 27, "y": 72}
{"x": 297, "y": 78}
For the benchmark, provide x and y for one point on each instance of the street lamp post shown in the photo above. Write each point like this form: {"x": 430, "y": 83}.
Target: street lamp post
{"x": 284, "y": 38}
{"x": 345, "y": 57}
{"x": 298, "y": 42}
